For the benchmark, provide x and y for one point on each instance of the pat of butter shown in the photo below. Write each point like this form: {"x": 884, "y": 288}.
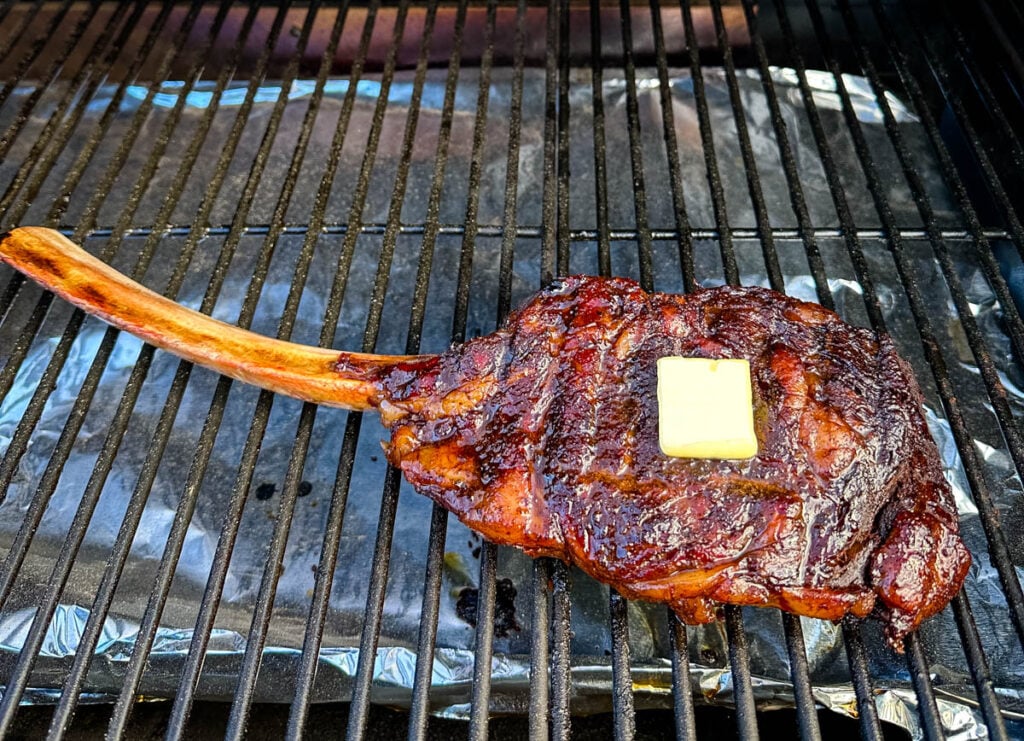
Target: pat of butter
{"x": 705, "y": 408}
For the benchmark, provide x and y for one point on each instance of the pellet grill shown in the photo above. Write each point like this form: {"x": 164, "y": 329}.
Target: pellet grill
{"x": 395, "y": 177}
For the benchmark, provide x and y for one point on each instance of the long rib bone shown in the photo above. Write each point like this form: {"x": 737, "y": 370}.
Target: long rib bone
{"x": 340, "y": 379}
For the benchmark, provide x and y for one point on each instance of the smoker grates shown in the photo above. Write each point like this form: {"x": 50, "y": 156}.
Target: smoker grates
{"x": 396, "y": 176}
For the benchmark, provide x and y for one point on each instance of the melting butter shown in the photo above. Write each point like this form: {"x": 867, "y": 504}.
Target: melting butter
{"x": 705, "y": 408}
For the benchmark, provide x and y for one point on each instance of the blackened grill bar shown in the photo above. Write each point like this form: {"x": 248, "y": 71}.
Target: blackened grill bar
{"x": 91, "y": 138}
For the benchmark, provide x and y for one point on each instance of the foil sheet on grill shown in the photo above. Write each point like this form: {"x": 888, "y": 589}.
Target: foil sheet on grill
{"x": 453, "y": 661}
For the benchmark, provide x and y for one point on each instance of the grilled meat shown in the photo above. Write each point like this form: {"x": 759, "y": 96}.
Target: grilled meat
{"x": 543, "y": 435}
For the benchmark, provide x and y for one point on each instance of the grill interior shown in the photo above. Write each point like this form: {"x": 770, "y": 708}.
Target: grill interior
{"x": 397, "y": 177}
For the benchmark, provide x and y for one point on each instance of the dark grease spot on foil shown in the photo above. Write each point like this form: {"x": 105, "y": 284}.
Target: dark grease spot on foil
{"x": 305, "y": 489}
{"x": 710, "y": 657}
{"x": 504, "y": 607}
{"x": 265, "y": 491}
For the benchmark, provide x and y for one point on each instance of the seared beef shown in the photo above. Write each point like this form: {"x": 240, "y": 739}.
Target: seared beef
{"x": 544, "y": 435}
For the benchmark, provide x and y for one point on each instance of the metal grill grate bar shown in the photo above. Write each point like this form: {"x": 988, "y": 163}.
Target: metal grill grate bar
{"x": 682, "y": 220}
{"x": 555, "y": 189}
{"x": 622, "y": 677}
{"x": 540, "y": 684}
{"x": 739, "y": 661}
{"x": 771, "y": 258}
{"x": 622, "y": 682}
{"x": 604, "y": 257}
{"x": 549, "y": 216}
{"x": 807, "y": 715}
{"x": 480, "y": 699}
{"x": 58, "y": 128}
{"x": 47, "y": 78}
{"x": 636, "y": 156}
{"x": 714, "y": 178}
{"x": 561, "y": 658}
{"x": 927, "y": 708}
{"x": 561, "y": 128}
{"x": 439, "y": 516}
{"x": 429, "y": 613}
{"x": 979, "y": 667}
{"x": 870, "y": 726}
{"x": 34, "y": 51}
{"x": 26, "y": 20}
{"x": 682, "y": 699}
{"x": 798, "y": 201}
{"x": 515, "y": 126}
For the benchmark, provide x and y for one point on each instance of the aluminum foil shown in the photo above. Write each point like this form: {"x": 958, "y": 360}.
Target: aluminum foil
{"x": 453, "y": 662}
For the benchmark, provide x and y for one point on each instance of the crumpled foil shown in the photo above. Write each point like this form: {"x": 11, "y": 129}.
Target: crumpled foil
{"x": 453, "y": 661}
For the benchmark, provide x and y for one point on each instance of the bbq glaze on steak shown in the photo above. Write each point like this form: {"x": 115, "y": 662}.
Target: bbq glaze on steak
{"x": 544, "y": 436}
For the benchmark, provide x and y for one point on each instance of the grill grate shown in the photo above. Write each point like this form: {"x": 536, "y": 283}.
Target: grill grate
{"x": 330, "y": 219}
